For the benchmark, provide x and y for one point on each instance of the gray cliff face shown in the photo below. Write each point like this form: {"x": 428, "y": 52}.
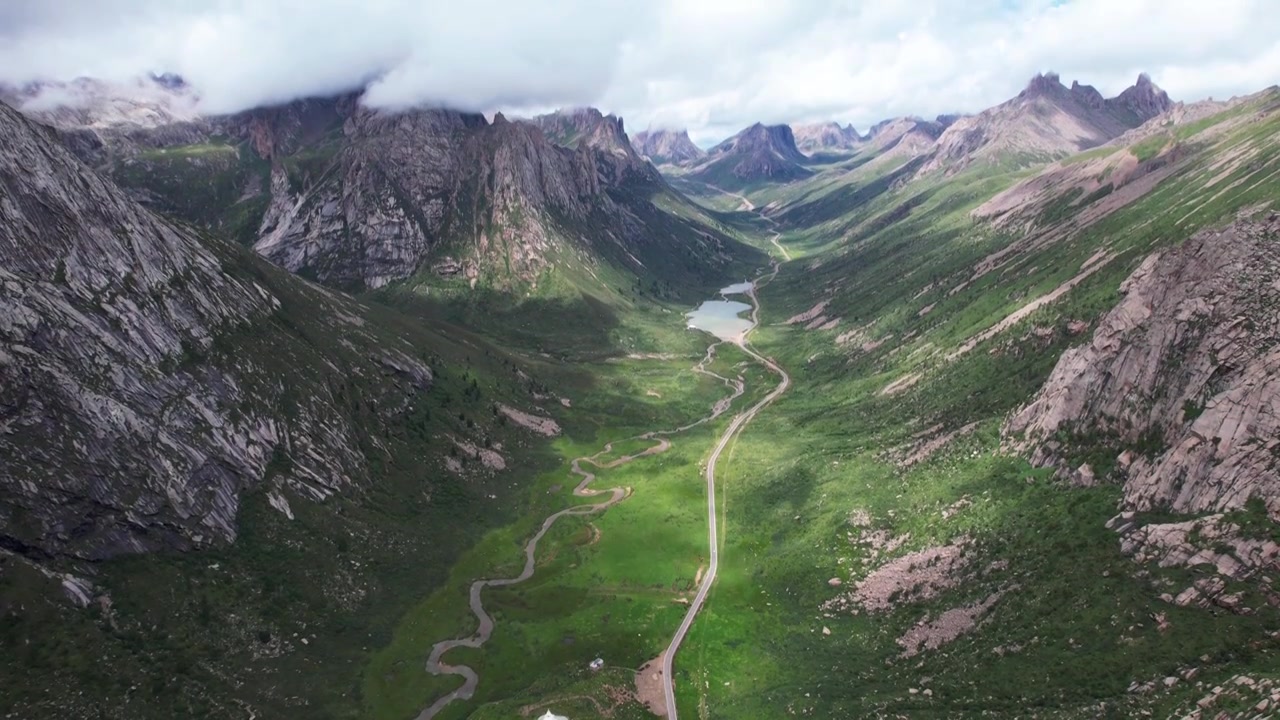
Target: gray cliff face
{"x": 406, "y": 186}
{"x": 118, "y": 432}
{"x": 777, "y": 140}
{"x": 365, "y": 220}
{"x": 1189, "y": 364}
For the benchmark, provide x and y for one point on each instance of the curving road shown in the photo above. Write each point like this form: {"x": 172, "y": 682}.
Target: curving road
{"x": 470, "y": 679}
{"x": 668, "y": 657}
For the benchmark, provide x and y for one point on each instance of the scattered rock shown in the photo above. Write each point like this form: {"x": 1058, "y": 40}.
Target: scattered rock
{"x": 541, "y": 425}
{"x": 933, "y": 634}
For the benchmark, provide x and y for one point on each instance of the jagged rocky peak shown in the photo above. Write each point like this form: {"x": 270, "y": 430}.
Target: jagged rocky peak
{"x": 1144, "y": 98}
{"x": 588, "y": 126}
{"x": 1087, "y": 95}
{"x": 666, "y": 146}
{"x": 1046, "y": 121}
{"x": 757, "y": 153}
{"x": 827, "y": 136}
{"x": 1049, "y": 83}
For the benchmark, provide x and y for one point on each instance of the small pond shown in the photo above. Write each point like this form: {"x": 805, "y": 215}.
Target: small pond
{"x": 723, "y": 318}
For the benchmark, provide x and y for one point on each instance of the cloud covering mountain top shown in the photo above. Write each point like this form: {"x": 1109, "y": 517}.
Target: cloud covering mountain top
{"x": 713, "y": 66}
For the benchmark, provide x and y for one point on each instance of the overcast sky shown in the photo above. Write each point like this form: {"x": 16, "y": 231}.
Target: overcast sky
{"x": 712, "y": 66}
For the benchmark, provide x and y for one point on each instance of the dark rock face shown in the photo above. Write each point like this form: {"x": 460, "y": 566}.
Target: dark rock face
{"x": 586, "y": 127}
{"x": 406, "y": 184}
{"x": 117, "y": 434}
{"x": 664, "y": 147}
{"x": 759, "y": 139}
{"x": 1088, "y": 96}
{"x": 758, "y": 153}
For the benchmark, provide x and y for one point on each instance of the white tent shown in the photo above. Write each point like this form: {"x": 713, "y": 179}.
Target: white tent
{"x": 552, "y": 716}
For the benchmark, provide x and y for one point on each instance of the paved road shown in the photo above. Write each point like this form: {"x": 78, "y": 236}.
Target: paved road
{"x": 668, "y": 658}
{"x": 470, "y": 679}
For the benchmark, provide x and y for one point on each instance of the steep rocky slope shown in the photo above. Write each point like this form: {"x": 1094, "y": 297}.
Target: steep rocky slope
{"x": 102, "y": 302}
{"x": 914, "y": 133}
{"x": 1180, "y": 379}
{"x": 1047, "y": 120}
{"x": 141, "y": 400}
{"x": 667, "y": 147}
{"x": 827, "y": 136}
{"x": 757, "y": 154}
{"x": 298, "y": 467}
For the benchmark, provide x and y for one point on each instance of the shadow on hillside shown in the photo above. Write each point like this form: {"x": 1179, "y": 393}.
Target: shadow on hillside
{"x": 840, "y": 202}
{"x": 566, "y": 329}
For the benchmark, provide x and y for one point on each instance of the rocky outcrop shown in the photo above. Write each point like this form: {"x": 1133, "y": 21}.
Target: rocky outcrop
{"x": 1181, "y": 379}
{"x": 370, "y": 214}
{"x": 126, "y": 422}
{"x": 759, "y": 153}
{"x": 604, "y": 137}
{"x": 1143, "y": 99}
{"x": 667, "y": 147}
{"x": 906, "y": 136}
{"x": 827, "y": 136}
{"x": 1047, "y": 120}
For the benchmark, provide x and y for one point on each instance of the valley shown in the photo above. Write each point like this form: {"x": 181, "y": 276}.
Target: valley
{"x": 328, "y": 410}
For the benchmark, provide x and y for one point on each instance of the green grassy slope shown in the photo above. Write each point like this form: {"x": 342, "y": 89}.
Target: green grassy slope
{"x": 897, "y": 266}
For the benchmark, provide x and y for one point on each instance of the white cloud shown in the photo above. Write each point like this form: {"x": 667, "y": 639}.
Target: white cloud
{"x": 712, "y": 65}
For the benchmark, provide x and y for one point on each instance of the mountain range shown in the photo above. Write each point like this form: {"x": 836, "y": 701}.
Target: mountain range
{"x": 324, "y": 188}
{"x": 279, "y": 387}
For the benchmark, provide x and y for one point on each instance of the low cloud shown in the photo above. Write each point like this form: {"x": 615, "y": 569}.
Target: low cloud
{"x": 713, "y": 66}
